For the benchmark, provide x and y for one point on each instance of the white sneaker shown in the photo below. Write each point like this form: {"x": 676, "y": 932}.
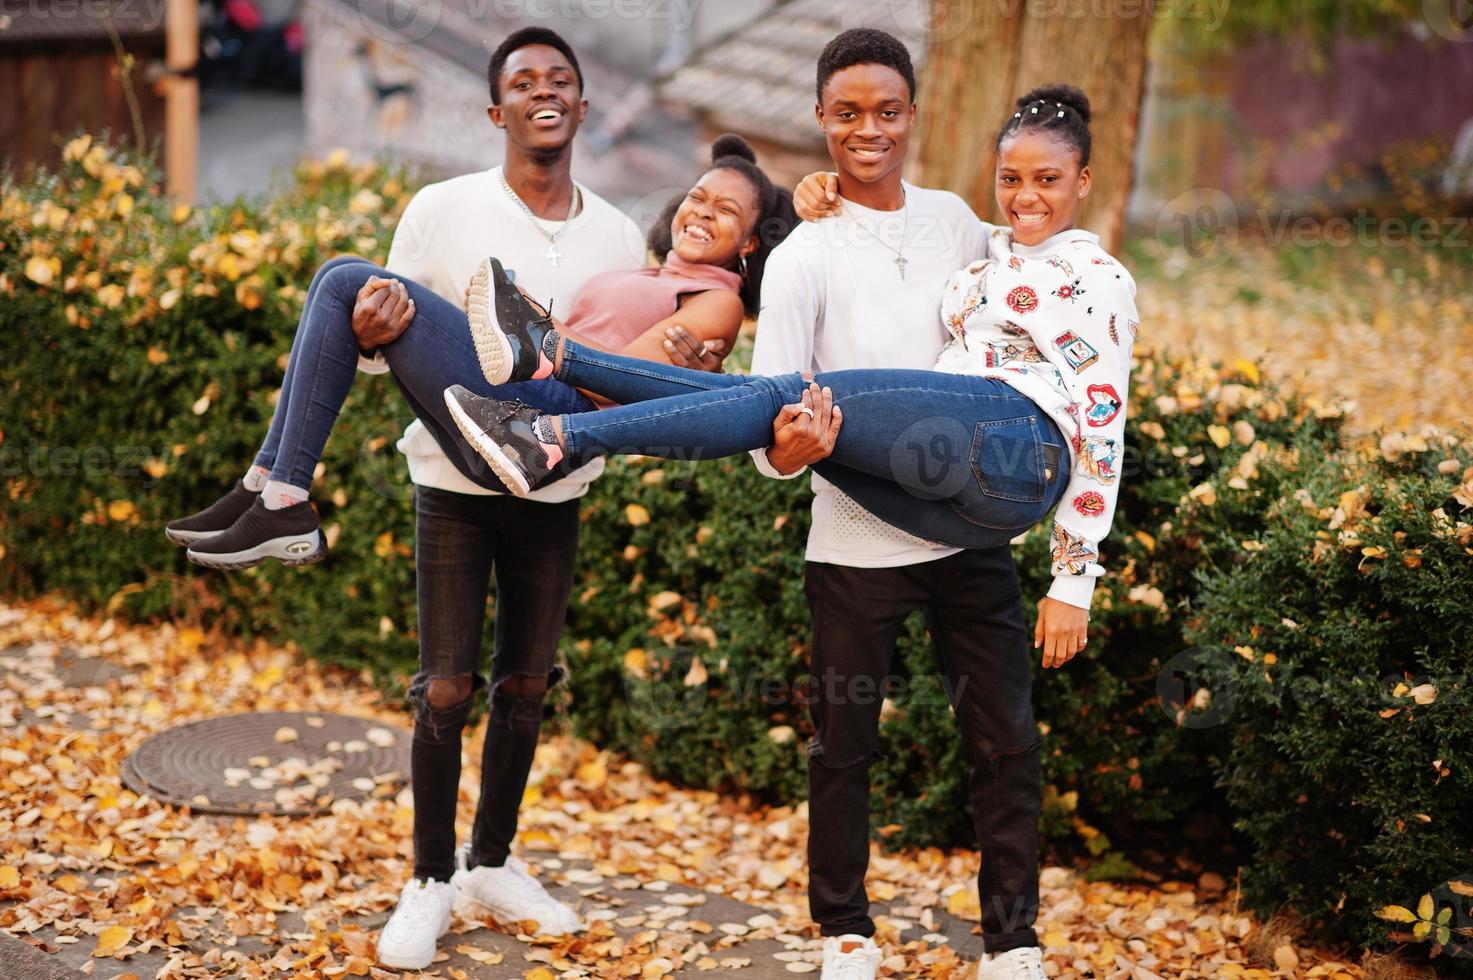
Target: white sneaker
{"x": 407, "y": 940}
{"x": 857, "y": 964}
{"x": 511, "y": 894}
{"x": 1023, "y": 963}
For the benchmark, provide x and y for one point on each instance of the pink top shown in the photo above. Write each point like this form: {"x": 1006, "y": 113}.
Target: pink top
{"x": 614, "y": 308}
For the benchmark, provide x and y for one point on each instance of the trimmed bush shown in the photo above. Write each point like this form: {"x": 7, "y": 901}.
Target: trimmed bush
{"x": 1336, "y": 661}
{"x": 146, "y": 345}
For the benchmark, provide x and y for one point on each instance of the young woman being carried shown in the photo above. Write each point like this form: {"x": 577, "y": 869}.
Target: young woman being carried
{"x": 714, "y": 242}
{"x": 1024, "y": 412}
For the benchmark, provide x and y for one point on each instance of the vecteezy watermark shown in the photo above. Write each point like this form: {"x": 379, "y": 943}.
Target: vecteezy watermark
{"x": 1442, "y": 917}
{"x": 933, "y": 23}
{"x": 1365, "y": 229}
{"x": 930, "y": 458}
{"x": 1189, "y": 689}
{"x": 1201, "y": 228}
{"x": 675, "y": 693}
{"x": 382, "y": 468}
{"x": 1198, "y": 229}
{"x": 413, "y": 20}
{"x": 1450, "y": 19}
{"x": 680, "y": 13}
{"x": 1202, "y": 687}
{"x": 88, "y": 462}
{"x": 123, "y": 13}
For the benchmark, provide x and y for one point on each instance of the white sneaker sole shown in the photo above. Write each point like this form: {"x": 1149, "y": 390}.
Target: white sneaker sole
{"x": 294, "y": 549}
{"x": 465, "y": 903}
{"x": 505, "y": 468}
{"x": 411, "y": 960}
{"x": 493, "y": 349}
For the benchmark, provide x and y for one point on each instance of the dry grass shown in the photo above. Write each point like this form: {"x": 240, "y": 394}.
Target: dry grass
{"x": 1379, "y": 966}
{"x": 1390, "y": 329}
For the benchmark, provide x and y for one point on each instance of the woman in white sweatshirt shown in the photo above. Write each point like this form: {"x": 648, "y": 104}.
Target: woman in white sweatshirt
{"x": 1034, "y": 382}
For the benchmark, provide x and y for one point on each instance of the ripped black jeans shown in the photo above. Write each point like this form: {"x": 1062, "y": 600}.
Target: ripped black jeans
{"x": 460, "y": 539}
{"x": 975, "y": 614}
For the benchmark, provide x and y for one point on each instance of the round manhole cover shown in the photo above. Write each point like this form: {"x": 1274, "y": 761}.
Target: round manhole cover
{"x": 294, "y": 763}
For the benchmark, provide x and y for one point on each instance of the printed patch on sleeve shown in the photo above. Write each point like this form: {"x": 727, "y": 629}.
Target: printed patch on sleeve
{"x": 1071, "y": 553}
{"x": 1069, "y": 291}
{"x": 1076, "y": 350}
{"x": 1022, "y": 299}
{"x": 1098, "y": 460}
{"x": 1104, "y": 405}
{"x": 1091, "y": 503}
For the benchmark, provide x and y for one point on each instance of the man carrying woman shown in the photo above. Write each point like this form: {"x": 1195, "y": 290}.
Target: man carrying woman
{"x": 575, "y": 248}
{"x": 1023, "y": 413}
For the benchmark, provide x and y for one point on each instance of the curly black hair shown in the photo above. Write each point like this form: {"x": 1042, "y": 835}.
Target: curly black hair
{"x": 865, "y": 46}
{"x": 1062, "y": 111}
{"x": 775, "y": 214}
{"x": 525, "y": 38}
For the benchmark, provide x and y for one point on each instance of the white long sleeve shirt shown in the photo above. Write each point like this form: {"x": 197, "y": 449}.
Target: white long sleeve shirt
{"x": 445, "y": 232}
{"x": 833, "y": 299}
{"x": 1056, "y": 321}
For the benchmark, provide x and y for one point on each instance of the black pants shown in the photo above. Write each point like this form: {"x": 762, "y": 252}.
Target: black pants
{"x": 975, "y": 613}
{"x": 459, "y": 540}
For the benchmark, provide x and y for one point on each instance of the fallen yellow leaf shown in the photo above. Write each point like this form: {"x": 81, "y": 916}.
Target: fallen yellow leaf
{"x": 112, "y": 939}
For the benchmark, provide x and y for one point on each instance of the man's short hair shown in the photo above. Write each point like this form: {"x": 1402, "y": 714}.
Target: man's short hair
{"x": 525, "y": 38}
{"x": 865, "y": 46}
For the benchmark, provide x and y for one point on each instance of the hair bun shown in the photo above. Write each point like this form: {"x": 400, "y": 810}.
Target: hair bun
{"x": 1064, "y": 94}
{"x": 732, "y": 145}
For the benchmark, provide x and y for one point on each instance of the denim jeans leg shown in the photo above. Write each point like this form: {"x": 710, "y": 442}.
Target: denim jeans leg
{"x": 266, "y": 455}
{"x": 435, "y": 352}
{"x": 857, "y": 616}
{"x": 536, "y": 548}
{"x": 323, "y": 365}
{"x": 452, "y": 560}
{"x": 980, "y": 633}
{"x": 627, "y": 380}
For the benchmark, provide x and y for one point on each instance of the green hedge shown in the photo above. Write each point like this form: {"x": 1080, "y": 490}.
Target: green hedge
{"x": 145, "y": 347}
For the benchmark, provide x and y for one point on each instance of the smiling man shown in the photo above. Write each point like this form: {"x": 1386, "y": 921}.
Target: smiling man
{"x": 863, "y": 290}
{"x": 557, "y": 235}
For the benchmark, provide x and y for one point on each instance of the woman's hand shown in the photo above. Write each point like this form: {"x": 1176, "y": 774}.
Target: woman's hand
{"x": 817, "y": 196}
{"x": 1062, "y": 631}
{"x": 381, "y": 313}
{"x": 685, "y": 350}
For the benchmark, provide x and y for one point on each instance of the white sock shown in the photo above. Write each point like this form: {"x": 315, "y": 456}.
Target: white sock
{"x": 255, "y": 478}
{"x": 278, "y": 495}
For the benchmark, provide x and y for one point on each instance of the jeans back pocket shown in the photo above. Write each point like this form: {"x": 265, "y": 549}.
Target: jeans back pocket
{"x": 1007, "y": 459}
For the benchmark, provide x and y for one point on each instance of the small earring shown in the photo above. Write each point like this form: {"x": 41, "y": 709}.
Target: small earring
{"x": 742, "y": 265}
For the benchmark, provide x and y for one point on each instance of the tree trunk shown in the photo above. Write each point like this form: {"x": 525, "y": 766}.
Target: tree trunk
{"x": 983, "y": 54}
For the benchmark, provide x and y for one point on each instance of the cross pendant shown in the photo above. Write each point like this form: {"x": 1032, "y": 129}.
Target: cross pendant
{"x": 553, "y": 253}
{"x": 900, "y": 263}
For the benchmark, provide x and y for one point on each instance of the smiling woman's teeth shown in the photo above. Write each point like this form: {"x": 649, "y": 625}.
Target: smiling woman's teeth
{"x": 1029, "y": 219}
{"x": 699, "y": 234}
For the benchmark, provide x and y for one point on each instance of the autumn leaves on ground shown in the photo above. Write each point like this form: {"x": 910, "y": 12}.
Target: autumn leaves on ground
{"x": 86, "y": 863}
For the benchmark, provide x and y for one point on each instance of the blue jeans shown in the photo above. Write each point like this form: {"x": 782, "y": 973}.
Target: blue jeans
{"x": 434, "y": 352}
{"x": 961, "y": 460}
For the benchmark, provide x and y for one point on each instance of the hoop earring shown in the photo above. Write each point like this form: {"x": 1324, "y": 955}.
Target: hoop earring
{"x": 742, "y": 265}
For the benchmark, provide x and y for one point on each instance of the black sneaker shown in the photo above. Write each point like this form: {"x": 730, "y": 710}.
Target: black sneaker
{"x": 503, "y": 433}
{"x": 290, "y": 535}
{"x": 507, "y": 327}
{"x": 213, "y": 519}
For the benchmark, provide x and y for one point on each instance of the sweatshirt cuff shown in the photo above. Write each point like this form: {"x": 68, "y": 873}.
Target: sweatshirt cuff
{"x": 1076, "y": 590}
{"x": 759, "y": 456}
{"x": 372, "y": 365}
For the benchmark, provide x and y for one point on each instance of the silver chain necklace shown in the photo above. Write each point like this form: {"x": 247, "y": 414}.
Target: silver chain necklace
{"x": 900, "y": 260}
{"x": 553, "y": 253}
